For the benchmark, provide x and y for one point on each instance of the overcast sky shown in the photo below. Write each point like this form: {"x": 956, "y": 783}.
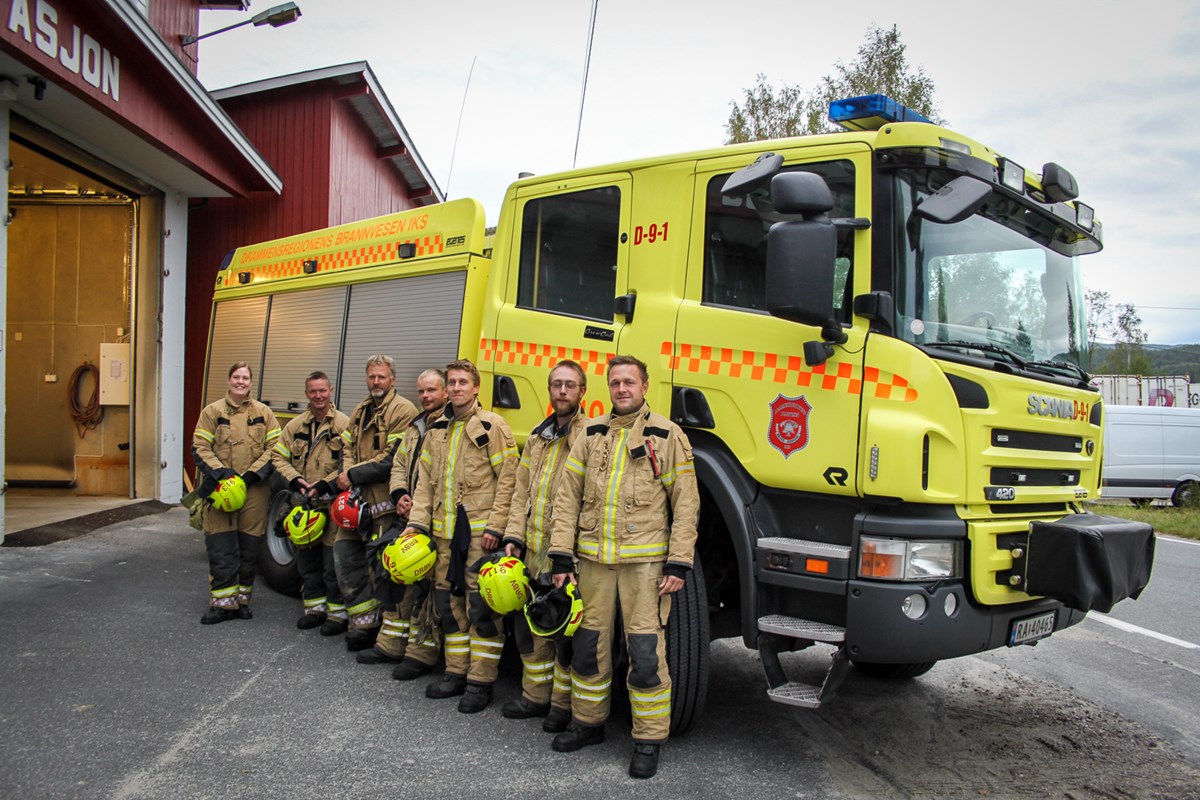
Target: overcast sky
{"x": 1109, "y": 90}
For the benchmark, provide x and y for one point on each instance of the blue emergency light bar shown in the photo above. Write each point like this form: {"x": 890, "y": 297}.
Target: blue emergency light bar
{"x": 870, "y": 113}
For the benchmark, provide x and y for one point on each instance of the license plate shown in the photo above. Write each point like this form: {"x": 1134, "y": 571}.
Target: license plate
{"x": 1031, "y": 629}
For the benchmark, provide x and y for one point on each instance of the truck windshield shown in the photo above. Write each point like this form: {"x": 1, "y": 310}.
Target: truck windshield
{"x": 989, "y": 285}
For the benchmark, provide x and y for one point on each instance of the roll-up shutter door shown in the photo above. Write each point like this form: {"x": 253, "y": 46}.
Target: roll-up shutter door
{"x": 237, "y": 335}
{"x": 304, "y": 334}
{"x": 414, "y": 320}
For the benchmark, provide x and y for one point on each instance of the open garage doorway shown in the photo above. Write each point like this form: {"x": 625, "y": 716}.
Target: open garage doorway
{"x": 72, "y": 237}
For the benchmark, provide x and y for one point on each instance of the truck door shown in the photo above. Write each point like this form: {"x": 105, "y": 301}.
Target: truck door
{"x": 568, "y": 253}
{"x": 739, "y": 371}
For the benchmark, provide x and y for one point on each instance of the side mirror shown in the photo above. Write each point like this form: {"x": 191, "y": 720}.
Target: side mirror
{"x": 801, "y": 253}
{"x": 954, "y": 202}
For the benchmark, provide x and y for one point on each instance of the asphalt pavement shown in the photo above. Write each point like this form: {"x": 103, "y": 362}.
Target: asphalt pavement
{"x": 110, "y": 688}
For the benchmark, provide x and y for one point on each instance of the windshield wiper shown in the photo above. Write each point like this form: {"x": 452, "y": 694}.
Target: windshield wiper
{"x": 987, "y": 347}
{"x": 1062, "y": 368}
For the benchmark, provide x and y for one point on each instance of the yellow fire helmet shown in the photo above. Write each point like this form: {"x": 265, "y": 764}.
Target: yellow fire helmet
{"x": 558, "y": 611}
{"x": 230, "y": 494}
{"x": 503, "y": 584}
{"x": 304, "y": 526}
{"x": 410, "y": 558}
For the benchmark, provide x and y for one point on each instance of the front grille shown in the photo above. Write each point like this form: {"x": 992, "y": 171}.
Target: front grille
{"x": 1029, "y": 440}
{"x": 1019, "y": 476}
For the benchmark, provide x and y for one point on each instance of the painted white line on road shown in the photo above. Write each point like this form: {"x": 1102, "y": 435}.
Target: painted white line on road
{"x": 1125, "y": 626}
{"x": 1177, "y": 540}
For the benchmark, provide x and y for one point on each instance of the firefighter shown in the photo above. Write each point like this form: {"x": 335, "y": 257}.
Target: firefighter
{"x": 626, "y": 507}
{"x": 376, "y": 426}
{"x": 465, "y": 479}
{"x": 413, "y": 613}
{"x": 232, "y": 445}
{"x": 309, "y": 457}
{"x": 546, "y": 664}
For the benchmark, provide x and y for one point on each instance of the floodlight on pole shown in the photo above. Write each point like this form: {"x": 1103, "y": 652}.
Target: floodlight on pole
{"x": 275, "y": 16}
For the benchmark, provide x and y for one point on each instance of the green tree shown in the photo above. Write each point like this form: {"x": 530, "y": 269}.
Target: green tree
{"x": 1121, "y": 324}
{"x": 881, "y": 67}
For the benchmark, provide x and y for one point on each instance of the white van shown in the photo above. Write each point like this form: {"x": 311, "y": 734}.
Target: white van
{"x": 1151, "y": 452}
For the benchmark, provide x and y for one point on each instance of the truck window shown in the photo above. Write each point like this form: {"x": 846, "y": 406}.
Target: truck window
{"x": 569, "y": 253}
{"x": 735, "y": 244}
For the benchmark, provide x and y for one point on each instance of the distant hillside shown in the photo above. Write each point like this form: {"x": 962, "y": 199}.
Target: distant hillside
{"x": 1178, "y": 359}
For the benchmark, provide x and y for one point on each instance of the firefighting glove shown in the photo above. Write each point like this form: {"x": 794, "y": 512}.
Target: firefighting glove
{"x": 563, "y": 565}
{"x": 222, "y": 473}
{"x": 295, "y": 485}
{"x": 250, "y": 478}
{"x": 322, "y": 489}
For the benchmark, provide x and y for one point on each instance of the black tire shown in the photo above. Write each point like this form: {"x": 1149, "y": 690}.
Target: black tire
{"x": 1186, "y": 495}
{"x": 1141, "y": 502}
{"x": 277, "y": 555}
{"x": 894, "y": 672}
{"x": 687, "y": 651}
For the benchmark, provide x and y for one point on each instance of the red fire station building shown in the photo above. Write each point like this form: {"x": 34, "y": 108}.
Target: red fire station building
{"x": 128, "y": 182}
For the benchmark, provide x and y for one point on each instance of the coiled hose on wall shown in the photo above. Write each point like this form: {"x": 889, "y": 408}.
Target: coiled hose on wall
{"x": 86, "y": 416}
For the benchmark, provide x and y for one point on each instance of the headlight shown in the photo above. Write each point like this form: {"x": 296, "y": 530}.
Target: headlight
{"x": 907, "y": 560}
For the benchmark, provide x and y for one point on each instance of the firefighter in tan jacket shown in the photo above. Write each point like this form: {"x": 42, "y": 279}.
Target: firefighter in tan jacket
{"x": 376, "y": 427}
{"x": 627, "y": 508}
{"x": 546, "y": 663}
{"x": 309, "y": 457}
{"x": 411, "y": 614}
{"x": 234, "y": 436}
{"x": 464, "y": 485}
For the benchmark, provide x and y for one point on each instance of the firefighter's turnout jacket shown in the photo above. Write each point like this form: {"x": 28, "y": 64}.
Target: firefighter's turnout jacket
{"x": 311, "y": 449}
{"x": 234, "y": 439}
{"x": 627, "y": 507}
{"x": 546, "y": 668}
{"x": 467, "y": 463}
{"x": 369, "y": 441}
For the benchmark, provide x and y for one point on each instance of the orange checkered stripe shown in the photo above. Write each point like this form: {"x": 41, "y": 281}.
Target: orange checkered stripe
{"x": 343, "y": 259}
{"x": 503, "y": 351}
{"x": 787, "y": 370}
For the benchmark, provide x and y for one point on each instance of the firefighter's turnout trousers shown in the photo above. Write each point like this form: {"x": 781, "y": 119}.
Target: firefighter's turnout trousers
{"x": 635, "y": 588}
{"x": 472, "y": 634}
{"x": 232, "y": 542}
{"x": 318, "y": 579}
{"x": 545, "y": 666}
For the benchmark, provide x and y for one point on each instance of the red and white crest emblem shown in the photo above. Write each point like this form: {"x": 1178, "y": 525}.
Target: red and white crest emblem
{"x": 788, "y": 429}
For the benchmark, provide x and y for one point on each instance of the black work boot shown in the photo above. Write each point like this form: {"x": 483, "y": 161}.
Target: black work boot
{"x": 645, "y": 760}
{"x": 523, "y": 708}
{"x": 373, "y": 655}
{"x": 476, "y": 698}
{"x": 309, "y": 621}
{"x": 215, "y": 615}
{"x": 557, "y": 720}
{"x": 408, "y": 669}
{"x": 244, "y": 612}
{"x": 446, "y": 686}
{"x": 360, "y": 638}
{"x": 334, "y": 627}
{"x": 577, "y": 736}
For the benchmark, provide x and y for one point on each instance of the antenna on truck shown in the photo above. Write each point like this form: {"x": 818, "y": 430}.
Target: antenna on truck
{"x": 587, "y": 60}
{"x": 454, "y": 149}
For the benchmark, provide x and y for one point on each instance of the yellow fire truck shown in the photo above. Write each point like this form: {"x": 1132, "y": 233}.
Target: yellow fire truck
{"x": 875, "y": 340}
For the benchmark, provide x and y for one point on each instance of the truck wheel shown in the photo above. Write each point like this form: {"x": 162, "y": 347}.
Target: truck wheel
{"x": 893, "y": 672}
{"x": 277, "y": 555}
{"x": 687, "y": 650}
{"x": 1185, "y": 495}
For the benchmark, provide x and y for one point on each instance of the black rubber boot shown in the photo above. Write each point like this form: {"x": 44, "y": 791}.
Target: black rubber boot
{"x": 577, "y": 736}
{"x": 215, "y": 615}
{"x": 476, "y": 698}
{"x": 522, "y": 708}
{"x": 408, "y": 669}
{"x": 556, "y": 721}
{"x": 446, "y": 686}
{"x": 645, "y": 760}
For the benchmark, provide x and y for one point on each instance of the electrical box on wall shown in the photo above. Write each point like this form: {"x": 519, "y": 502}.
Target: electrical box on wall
{"x": 114, "y": 374}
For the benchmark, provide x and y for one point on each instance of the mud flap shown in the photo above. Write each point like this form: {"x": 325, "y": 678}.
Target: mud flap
{"x": 1089, "y": 562}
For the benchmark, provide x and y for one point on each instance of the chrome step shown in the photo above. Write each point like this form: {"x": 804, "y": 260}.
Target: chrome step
{"x": 801, "y": 628}
{"x": 796, "y": 694}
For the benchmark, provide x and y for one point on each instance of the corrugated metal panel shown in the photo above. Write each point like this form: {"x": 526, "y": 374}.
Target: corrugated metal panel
{"x": 304, "y": 335}
{"x": 238, "y": 328}
{"x": 414, "y": 320}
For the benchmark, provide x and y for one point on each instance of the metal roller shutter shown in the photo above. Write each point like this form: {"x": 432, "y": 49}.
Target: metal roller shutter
{"x": 304, "y": 334}
{"x": 414, "y": 320}
{"x": 237, "y": 335}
